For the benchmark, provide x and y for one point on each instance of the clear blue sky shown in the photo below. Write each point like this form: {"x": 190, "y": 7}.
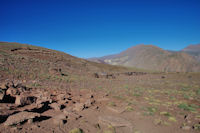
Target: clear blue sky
{"x": 89, "y": 28}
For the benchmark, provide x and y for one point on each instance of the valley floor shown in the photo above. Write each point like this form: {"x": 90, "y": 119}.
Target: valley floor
{"x": 143, "y": 103}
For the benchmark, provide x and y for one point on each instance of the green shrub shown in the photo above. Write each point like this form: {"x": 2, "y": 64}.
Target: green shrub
{"x": 165, "y": 114}
{"x": 111, "y": 104}
{"x": 187, "y": 107}
{"x": 76, "y": 130}
{"x": 198, "y": 92}
{"x": 150, "y": 110}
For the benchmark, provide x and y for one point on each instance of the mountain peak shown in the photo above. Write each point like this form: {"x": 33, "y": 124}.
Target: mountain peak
{"x": 192, "y": 48}
{"x": 154, "y": 58}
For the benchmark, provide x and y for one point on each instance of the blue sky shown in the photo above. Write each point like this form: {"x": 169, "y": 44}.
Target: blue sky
{"x": 92, "y": 28}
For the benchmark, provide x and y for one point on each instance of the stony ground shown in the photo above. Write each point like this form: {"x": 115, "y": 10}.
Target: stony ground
{"x": 125, "y": 103}
{"x": 47, "y": 91}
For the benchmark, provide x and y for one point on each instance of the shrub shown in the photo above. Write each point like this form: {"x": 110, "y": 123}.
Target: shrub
{"x": 187, "y": 107}
{"x": 76, "y": 130}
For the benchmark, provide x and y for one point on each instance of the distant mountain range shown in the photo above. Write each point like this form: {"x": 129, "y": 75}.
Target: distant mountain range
{"x": 154, "y": 58}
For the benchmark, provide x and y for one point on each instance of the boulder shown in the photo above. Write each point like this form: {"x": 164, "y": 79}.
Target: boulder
{"x": 24, "y": 100}
{"x": 2, "y": 94}
{"x": 12, "y": 91}
{"x": 78, "y": 107}
{"x": 20, "y": 117}
{"x": 55, "y": 106}
{"x": 59, "y": 119}
{"x": 3, "y": 86}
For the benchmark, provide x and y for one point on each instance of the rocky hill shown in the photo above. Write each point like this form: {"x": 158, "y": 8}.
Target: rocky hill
{"x": 154, "y": 58}
{"x": 47, "y": 67}
{"x": 24, "y": 60}
{"x": 193, "y": 50}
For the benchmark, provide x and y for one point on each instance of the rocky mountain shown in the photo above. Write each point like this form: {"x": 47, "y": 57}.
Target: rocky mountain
{"x": 154, "y": 58}
{"x": 193, "y": 50}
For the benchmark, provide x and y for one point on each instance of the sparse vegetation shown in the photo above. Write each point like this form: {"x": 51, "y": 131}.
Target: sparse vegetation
{"x": 190, "y": 107}
{"x": 153, "y": 98}
{"x": 76, "y": 130}
{"x": 129, "y": 108}
{"x": 165, "y": 114}
{"x": 172, "y": 119}
{"x": 150, "y": 110}
{"x": 197, "y": 127}
{"x": 111, "y": 104}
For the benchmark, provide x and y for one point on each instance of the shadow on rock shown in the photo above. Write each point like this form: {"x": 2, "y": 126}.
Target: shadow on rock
{"x": 42, "y": 109}
{"x": 41, "y": 118}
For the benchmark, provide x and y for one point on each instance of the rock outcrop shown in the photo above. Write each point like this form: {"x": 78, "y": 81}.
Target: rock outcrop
{"x": 20, "y": 117}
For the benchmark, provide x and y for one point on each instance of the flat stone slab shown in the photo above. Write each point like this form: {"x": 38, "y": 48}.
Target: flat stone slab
{"x": 116, "y": 110}
{"x": 115, "y": 121}
{"x": 103, "y": 99}
{"x": 20, "y": 117}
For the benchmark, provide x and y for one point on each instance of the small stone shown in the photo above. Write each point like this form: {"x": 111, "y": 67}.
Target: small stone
{"x": 30, "y": 121}
{"x": 55, "y": 106}
{"x": 2, "y": 94}
{"x": 70, "y": 114}
{"x": 59, "y": 119}
{"x": 67, "y": 111}
{"x": 78, "y": 107}
{"x": 89, "y": 103}
{"x": 3, "y": 86}
{"x": 34, "y": 126}
{"x": 60, "y": 97}
{"x": 58, "y": 122}
{"x": 186, "y": 128}
{"x": 61, "y": 116}
{"x": 14, "y": 129}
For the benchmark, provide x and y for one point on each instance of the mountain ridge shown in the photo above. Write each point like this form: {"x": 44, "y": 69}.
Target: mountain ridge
{"x": 193, "y": 50}
{"x": 154, "y": 58}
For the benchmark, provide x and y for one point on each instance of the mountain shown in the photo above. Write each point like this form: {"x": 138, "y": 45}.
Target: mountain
{"x": 193, "y": 50}
{"x": 154, "y": 58}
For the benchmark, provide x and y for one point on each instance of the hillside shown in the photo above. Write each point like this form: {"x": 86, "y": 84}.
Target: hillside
{"x": 43, "y": 90}
{"x": 27, "y": 61}
{"x": 193, "y": 50}
{"x": 153, "y": 58}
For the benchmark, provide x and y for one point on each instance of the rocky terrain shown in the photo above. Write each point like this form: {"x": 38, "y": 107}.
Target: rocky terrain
{"x": 154, "y": 58}
{"x": 43, "y": 90}
{"x": 193, "y": 50}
